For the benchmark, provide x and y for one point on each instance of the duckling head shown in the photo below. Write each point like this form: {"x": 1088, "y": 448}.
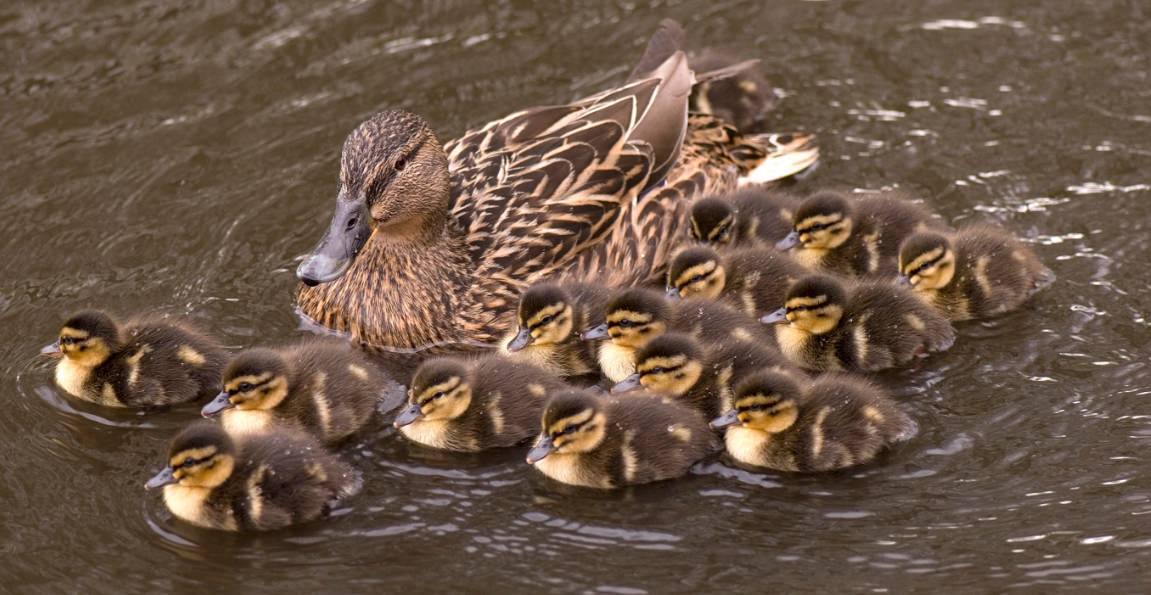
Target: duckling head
{"x": 765, "y": 401}
{"x": 814, "y": 304}
{"x": 713, "y": 221}
{"x": 634, "y": 317}
{"x": 440, "y": 391}
{"x": 393, "y": 180}
{"x": 823, "y": 221}
{"x": 257, "y": 379}
{"x": 573, "y": 422}
{"x": 200, "y": 456}
{"x": 696, "y": 272}
{"x": 87, "y": 339}
{"x": 669, "y": 365}
{"x": 545, "y": 317}
{"x": 926, "y": 261}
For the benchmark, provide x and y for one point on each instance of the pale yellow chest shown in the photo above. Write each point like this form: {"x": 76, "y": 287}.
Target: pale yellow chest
{"x": 566, "y": 468}
{"x": 616, "y": 362}
{"x": 71, "y": 377}
{"x": 435, "y": 434}
{"x": 240, "y": 423}
{"x": 746, "y": 446}
{"x": 792, "y": 342}
{"x": 811, "y": 258}
{"x": 191, "y": 505}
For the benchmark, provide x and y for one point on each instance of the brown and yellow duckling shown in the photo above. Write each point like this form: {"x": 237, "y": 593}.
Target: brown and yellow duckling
{"x": 549, "y": 320}
{"x": 144, "y": 363}
{"x": 678, "y": 367}
{"x": 834, "y": 422}
{"x": 474, "y": 405}
{"x": 607, "y": 442}
{"x": 751, "y": 217}
{"x": 259, "y": 482}
{"x": 753, "y": 280}
{"x": 854, "y": 236}
{"x": 323, "y": 387}
{"x": 861, "y": 326}
{"x": 636, "y": 316}
{"x": 979, "y": 272}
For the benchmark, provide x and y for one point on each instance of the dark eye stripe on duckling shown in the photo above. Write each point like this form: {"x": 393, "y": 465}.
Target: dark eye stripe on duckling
{"x": 662, "y": 365}
{"x": 571, "y": 424}
{"x": 627, "y": 319}
{"x": 696, "y": 273}
{"x": 193, "y": 457}
{"x": 445, "y": 387}
{"x": 256, "y": 381}
{"x": 818, "y": 223}
{"x": 546, "y": 315}
{"x": 720, "y": 228}
{"x": 806, "y": 304}
{"x": 925, "y": 261}
{"x": 758, "y": 404}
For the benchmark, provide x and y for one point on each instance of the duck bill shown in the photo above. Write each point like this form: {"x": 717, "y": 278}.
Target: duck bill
{"x": 627, "y": 384}
{"x": 598, "y": 331}
{"x": 542, "y": 448}
{"x": 672, "y": 293}
{"x": 789, "y": 241}
{"x": 52, "y": 350}
{"x": 410, "y": 414}
{"x": 161, "y": 479}
{"x": 777, "y": 317}
{"x": 348, "y": 232}
{"x": 215, "y": 406}
{"x": 522, "y": 339}
{"x": 727, "y": 419}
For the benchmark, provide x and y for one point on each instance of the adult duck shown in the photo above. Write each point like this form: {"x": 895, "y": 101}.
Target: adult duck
{"x": 430, "y": 244}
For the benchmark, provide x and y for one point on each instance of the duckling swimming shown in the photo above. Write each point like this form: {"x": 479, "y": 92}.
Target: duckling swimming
{"x": 863, "y": 326}
{"x": 979, "y": 272}
{"x": 858, "y": 236}
{"x": 834, "y": 422}
{"x": 636, "y": 316}
{"x": 607, "y": 442}
{"x": 144, "y": 363}
{"x": 258, "y": 482}
{"x": 323, "y": 387}
{"x": 475, "y": 405}
{"x": 751, "y": 217}
{"x": 753, "y": 280}
{"x": 549, "y": 318}
{"x": 677, "y": 366}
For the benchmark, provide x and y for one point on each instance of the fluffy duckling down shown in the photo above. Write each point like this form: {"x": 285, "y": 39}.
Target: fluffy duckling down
{"x": 461, "y": 405}
{"x": 749, "y": 218}
{"x": 143, "y": 363}
{"x": 549, "y": 320}
{"x": 753, "y": 280}
{"x": 324, "y": 387}
{"x": 827, "y": 325}
{"x": 257, "y": 482}
{"x": 833, "y": 422}
{"x": 979, "y": 272}
{"x": 606, "y": 442}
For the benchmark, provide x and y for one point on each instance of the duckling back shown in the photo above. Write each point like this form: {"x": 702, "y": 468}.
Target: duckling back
{"x": 159, "y": 364}
{"x": 748, "y": 218}
{"x": 758, "y": 279}
{"x": 660, "y": 439}
{"x": 885, "y": 221}
{"x": 995, "y": 273}
{"x": 888, "y": 326}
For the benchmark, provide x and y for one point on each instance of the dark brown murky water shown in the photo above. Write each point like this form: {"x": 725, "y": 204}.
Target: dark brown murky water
{"x": 177, "y": 157}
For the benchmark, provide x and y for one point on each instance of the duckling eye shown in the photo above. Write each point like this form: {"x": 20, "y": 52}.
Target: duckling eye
{"x": 697, "y": 279}
{"x": 625, "y": 323}
{"x": 439, "y": 395}
{"x": 400, "y": 164}
{"x": 657, "y": 371}
{"x": 568, "y": 429}
{"x": 245, "y": 387}
{"x": 546, "y": 320}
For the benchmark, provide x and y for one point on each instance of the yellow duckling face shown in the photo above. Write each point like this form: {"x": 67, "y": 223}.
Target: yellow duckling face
{"x": 573, "y": 422}
{"x": 822, "y": 222}
{"x": 696, "y": 272}
{"x": 87, "y": 339}
{"x": 926, "y": 261}
{"x": 201, "y": 456}
{"x": 712, "y": 221}
{"x": 670, "y": 365}
{"x": 634, "y": 317}
{"x": 545, "y": 317}
{"x": 256, "y": 380}
{"x": 765, "y": 401}
{"x": 814, "y": 304}
{"x": 439, "y": 392}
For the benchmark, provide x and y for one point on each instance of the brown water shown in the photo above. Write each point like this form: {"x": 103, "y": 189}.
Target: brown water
{"x": 178, "y": 158}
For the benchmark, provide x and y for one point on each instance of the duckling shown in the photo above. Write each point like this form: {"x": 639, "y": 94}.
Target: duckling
{"x": 549, "y": 318}
{"x": 854, "y": 236}
{"x": 753, "y": 280}
{"x": 607, "y": 442}
{"x": 743, "y": 99}
{"x": 751, "y": 217}
{"x": 323, "y": 387}
{"x": 144, "y": 363}
{"x": 636, "y": 316}
{"x": 979, "y": 272}
{"x": 475, "y": 405}
{"x": 834, "y": 422}
{"x": 258, "y": 482}
{"x": 864, "y": 326}
{"x": 676, "y": 366}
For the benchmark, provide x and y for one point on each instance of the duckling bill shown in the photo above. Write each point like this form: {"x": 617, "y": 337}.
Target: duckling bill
{"x": 142, "y": 363}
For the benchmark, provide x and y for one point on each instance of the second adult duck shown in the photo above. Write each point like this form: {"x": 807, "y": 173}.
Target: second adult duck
{"x": 431, "y": 244}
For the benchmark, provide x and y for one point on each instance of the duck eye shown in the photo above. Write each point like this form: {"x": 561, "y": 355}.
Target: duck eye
{"x": 400, "y": 164}
{"x": 352, "y": 222}
{"x": 696, "y": 279}
{"x": 439, "y": 395}
{"x": 546, "y": 320}
{"x": 626, "y": 323}
{"x": 657, "y": 370}
{"x": 568, "y": 429}
{"x": 245, "y": 387}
